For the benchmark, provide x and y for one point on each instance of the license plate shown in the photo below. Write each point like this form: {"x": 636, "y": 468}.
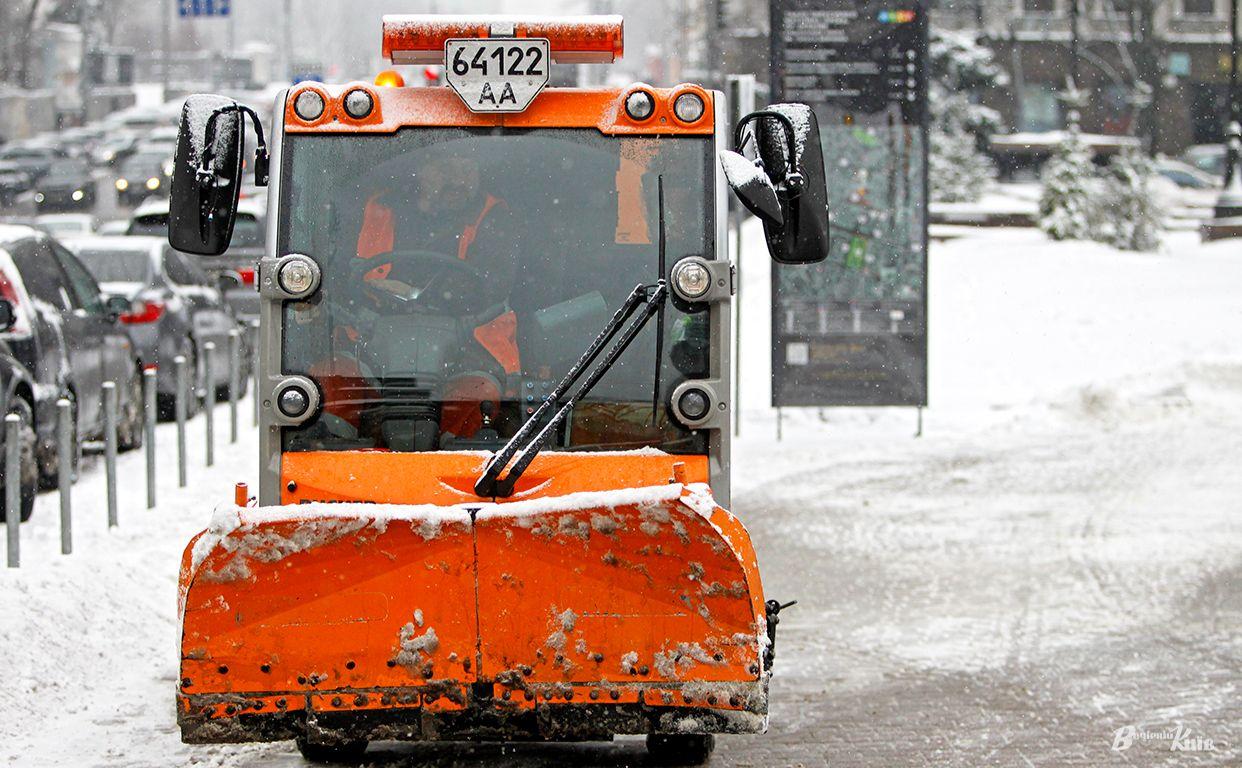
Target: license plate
{"x": 498, "y": 75}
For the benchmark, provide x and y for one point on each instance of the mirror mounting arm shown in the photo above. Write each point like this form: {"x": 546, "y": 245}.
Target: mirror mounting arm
{"x": 262, "y": 163}
{"x": 794, "y": 180}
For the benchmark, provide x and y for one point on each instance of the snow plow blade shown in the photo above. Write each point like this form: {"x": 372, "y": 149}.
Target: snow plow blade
{"x": 572, "y": 617}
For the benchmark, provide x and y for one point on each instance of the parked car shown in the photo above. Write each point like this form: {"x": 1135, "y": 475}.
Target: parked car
{"x": 1209, "y": 158}
{"x": 61, "y": 225}
{"x": 234, "y": 270}
{"x": 143, "y": 174}
{"x": 69, "y": 339}
{"x": 17, "y": 391}
{"x": 34, "y": 159}
{"x": 68, "y": 184}
{"x": 176, "y": 309}
{"x": 1185, "y": 175}
{"x": 14, "y": 180}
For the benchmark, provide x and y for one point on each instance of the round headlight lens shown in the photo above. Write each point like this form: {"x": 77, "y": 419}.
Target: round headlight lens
{"x": 122, "y": 184}
{"x": 293, "y": 402}
{"x": 639, "y": 105}
{"x": 153, "y": 183}
{"x": 308, "y": 105}
{"x": 694, "y": 404}
{"x": 689, "y": 107}
{"x": 297, "y": 276}
{"x": 77, "y": 195}
{"x": 358, "y": 104}
{"x": 691, "y": 278}
{"x": 39, "y": 197}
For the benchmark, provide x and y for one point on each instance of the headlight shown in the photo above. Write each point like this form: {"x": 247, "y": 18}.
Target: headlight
{"x": 78, "y": 195}
{"x": 297, "y": 276}
{"x": 358, "y": 104}
{"x": 122, "y": 185}
{"x": 689, "y": 107}
{"x": 639, "y": 105}
{"x": 308, "y": 105}
{"x": 691, "y": 279}
{"x": 293, "y": 402}
{"x": 39, "y": 197}
{"x": 694, "y": 404}
{"x": 168, "y": 169}
{"x": 153, "y": 183}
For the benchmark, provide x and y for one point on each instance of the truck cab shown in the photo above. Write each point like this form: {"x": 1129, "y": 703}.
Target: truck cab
{"x": 495, "y": 389}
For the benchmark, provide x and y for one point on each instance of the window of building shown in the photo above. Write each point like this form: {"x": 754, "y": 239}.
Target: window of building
{"x": 1199, "y": 7}
{"x": 1039, "y": 6}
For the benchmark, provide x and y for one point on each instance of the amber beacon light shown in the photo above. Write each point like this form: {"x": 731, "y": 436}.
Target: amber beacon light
{"x": 419, "y": 39}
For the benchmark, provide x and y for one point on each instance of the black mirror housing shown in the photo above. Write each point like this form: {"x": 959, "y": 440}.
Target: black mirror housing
{"x": 207, "y": 175}
{"x": 8, "y": 315}
{"x": 791, "y": 158}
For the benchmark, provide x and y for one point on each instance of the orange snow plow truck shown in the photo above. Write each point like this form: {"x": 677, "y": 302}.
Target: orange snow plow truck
{"x": 494, "y": 386}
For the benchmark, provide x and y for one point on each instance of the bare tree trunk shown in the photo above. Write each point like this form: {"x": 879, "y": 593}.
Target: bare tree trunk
{"x": 23, "y": 44}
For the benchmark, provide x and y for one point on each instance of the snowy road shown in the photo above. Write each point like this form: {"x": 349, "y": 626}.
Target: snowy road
{"x": 1060, "y": 556}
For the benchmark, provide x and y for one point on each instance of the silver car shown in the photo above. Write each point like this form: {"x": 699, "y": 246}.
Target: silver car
{"x": 176, "y": 309}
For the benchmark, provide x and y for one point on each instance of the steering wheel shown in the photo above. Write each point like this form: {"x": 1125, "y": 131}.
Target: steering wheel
{"x": 418, "y": 279}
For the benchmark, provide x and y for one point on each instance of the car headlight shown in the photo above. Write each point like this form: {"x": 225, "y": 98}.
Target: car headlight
{"x": 78, "y": 195}
{"x": 153, "y": 183}
{"x": 168, "y": 169}
{"x": 39, "y": 197}
{"x": 122, "y": 185}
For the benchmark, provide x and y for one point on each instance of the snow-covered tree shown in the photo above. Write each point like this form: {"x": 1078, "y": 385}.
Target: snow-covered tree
{"x": 1129, "y": 212}
{"x": 1066, "y": 207}
{"x": 960, "y": 69}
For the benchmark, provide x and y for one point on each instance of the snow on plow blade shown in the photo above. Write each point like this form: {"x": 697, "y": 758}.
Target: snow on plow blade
{"x": 570, "y": 617}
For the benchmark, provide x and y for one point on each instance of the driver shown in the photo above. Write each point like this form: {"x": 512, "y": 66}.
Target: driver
{"x": 446, "y": 210}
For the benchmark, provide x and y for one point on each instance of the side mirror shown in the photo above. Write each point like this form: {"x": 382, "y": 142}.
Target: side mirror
{"x": 228, "y": 280}
{"x": 207, "y": 173}
{"x": 785, "y": 185}
{"x": 116, "y": 306}
{"x": 8, "y": 315}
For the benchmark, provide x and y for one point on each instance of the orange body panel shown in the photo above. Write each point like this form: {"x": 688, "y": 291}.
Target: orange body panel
{"x": 602, "y": 109}
{"x": 647, "y": 599}
{"x": 447, "y": 477}
{"x": 420, "y": 39}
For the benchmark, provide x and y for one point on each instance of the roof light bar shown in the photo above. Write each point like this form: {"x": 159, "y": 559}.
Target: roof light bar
{"x": 420, "y": 38}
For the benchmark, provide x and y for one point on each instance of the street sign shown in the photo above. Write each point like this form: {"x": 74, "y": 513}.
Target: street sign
{"x": 853, "y": 330}
{"x": 203, "y": 7}
{"x": 497, "y": 75}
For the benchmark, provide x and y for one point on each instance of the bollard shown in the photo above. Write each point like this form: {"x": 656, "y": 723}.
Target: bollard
{"x": 234, "y": 381}
{"x": 151, "y": 409}
{"x": 180, "y": 408}
{"x": 64, "y": 480}
{"x": 209, "y": 401}
{"x": 13, "y": 485}
{"x": 109, "y": 398}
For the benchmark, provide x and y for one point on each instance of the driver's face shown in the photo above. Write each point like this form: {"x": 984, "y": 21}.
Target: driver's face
{"x": 448, "y": 184}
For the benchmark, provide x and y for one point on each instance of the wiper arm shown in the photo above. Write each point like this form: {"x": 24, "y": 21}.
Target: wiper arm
{"x": 644, "y": 301}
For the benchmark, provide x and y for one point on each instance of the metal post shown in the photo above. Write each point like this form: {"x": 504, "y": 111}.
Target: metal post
{"x": 1233, "y": 62}
{"x": 737, "y": 336}
{"x": 209, "y": 400}
{"x": 151, "y": 410}
{"x": 180, "y": 407}
{"x": 13, "y": 486}
{"x": 165, "y": 20}
{"x": 64, "y": 480}
{"x": 1073, "y": 14}
{"x": 109, "y": 397}
{"x": 254, "y": 373}
{"x": 234, "y": 381}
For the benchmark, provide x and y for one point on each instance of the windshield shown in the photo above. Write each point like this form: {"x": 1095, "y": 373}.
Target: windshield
{"x": 75, "y": 170}
{"x": 113, "y": 265}
{"x": 464, "y": 272}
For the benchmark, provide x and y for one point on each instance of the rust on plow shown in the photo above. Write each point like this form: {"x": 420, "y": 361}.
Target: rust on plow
{"x": 569, "y": 617}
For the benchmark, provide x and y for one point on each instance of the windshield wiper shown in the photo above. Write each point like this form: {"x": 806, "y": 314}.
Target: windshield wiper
{"x": 642, "y": 304}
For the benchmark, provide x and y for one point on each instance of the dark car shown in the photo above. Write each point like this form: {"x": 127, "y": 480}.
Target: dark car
{"x": 67, "y": 185}
{"x": 143, "y": 174}
{"x": 176, "y": 309}
{"x": 14, "y": 179}
{"x": 34, "y": 159}
{"x": 17, "y": 397}
{"x": 69, "y": 340}
{"x": 114, "y": 148}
